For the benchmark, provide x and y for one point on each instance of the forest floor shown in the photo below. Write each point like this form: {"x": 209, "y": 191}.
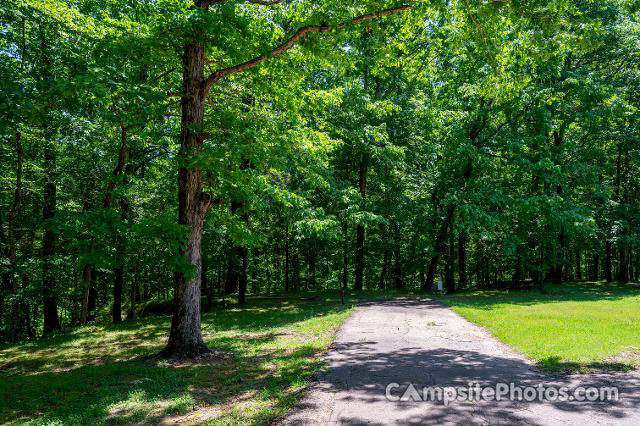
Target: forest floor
{"x": 266, "y": 352}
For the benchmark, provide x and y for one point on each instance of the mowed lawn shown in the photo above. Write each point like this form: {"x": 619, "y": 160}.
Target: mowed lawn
{"x": 577, "y": 327}
{"x": 265, "y": 353}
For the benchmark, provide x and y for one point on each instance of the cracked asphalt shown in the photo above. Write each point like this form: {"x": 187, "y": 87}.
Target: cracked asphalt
{"x": 424, "y": 343}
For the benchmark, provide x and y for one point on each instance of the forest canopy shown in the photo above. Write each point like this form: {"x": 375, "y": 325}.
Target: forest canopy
{"x": 169, "y": 152}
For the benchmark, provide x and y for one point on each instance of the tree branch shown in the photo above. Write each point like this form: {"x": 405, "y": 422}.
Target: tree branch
{"x": 265, "y": 2}
{"x": 293, "y": 40}
{"x": 204, "y": 4}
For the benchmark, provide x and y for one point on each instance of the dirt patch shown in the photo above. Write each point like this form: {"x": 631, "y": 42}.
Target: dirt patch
{"x": 632, "y": 355}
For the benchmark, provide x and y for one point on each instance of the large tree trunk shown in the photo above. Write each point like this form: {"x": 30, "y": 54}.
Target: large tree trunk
{"x": 360, "y": 231}
{"x": 185, "y": 337}
{"x": 50, "y": 306}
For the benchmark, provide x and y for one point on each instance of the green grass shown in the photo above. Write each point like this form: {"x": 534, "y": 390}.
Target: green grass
{"x": 265, "y": 353}
{"x": 578, "y": 327}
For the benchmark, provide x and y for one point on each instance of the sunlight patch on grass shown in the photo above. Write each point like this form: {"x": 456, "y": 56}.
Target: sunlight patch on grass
{"x": 572, "y": 327}
{"x": 264, "y": 354}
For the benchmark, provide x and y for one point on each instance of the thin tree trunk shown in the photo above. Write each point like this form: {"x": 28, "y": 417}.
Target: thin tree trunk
{"x": 462, "y": 259}
{"x": 93, "y": 293}
{"x": 449, "y": 274}
{"x": 578, "y": 265}
{"x": 311, "y": 279}
{"x": 50, "y": 306}
{"x": 382, "y": 283}
{"x": 608, "y": 273}
{"x": 397, "y": 275}
{"x": 134, "y": 292}
{"x": 13, "y": 277}
{"x": 286, "y": 255}
{"x": 360, "y": 230}
{"x": 439, "y": 246}
{"x": 242, "y": 278}
{"x": 204, "y": 279}
{"x": 87, "y": 272}
{"x": 556, "y": 272}
{"x": 345, "y": 255}
{"x": 121, "y": 247}
{"x": 254, "y": 271}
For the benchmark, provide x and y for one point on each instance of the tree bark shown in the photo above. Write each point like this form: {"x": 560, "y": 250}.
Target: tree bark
{"x": 185, "y": 337}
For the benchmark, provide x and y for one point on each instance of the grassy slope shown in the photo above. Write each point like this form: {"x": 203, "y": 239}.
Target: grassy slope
{"x": 575, "y": 327}
{"x": 265, "y": 353}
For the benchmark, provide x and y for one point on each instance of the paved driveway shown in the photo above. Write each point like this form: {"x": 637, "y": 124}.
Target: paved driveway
{"x": 423, "y": 343}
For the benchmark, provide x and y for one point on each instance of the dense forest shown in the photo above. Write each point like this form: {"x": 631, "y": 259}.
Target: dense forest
{"x": 183, "y": 151}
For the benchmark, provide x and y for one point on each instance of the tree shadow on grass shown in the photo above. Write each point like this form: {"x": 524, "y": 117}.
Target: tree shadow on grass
{"x": 74, "y": 379}
{"x": 102, "y": 343}
{"x": 569, "y": 292}
{"x": 557, "y": 364}
{"x": 148, "y": 390}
